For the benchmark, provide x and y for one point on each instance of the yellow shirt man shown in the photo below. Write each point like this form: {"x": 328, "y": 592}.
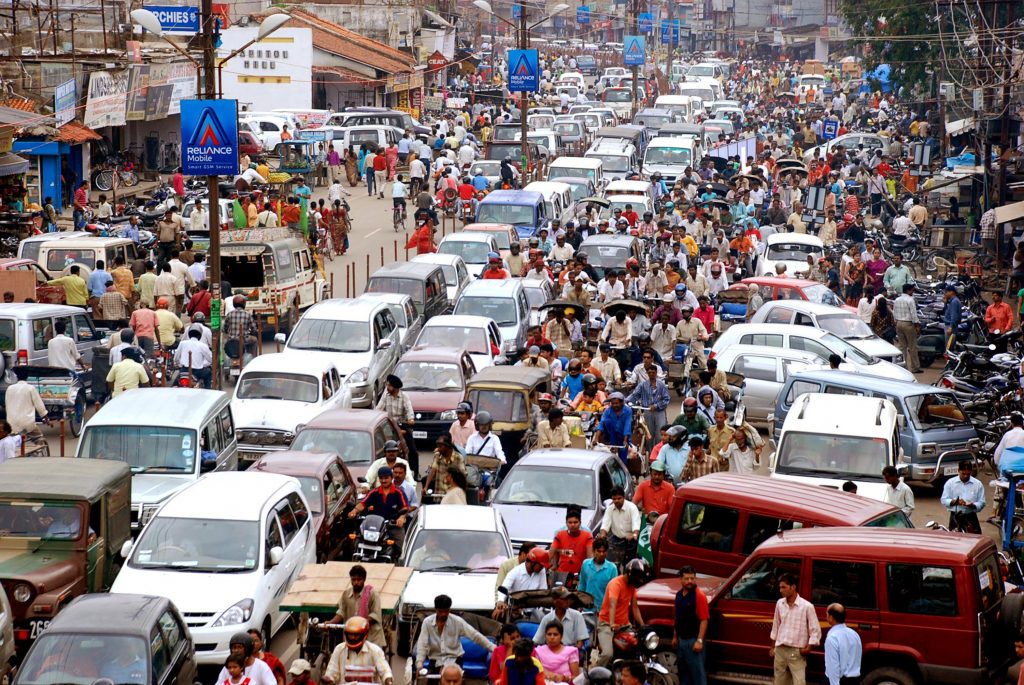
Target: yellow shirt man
{"x": 169, "y": 324}
{"x": 75, "y": 290}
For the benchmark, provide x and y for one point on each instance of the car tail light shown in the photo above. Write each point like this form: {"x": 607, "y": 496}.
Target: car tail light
{"x": 21, "y": 634}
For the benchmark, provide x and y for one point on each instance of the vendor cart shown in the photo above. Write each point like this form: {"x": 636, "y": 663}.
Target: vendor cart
{"x": 62, "y": 392}
{"x": 317, "y": 590}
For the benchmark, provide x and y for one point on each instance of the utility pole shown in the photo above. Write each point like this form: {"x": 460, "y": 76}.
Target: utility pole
{"x": 669, "y": 6}
{"x": 524, "y": 101}
{"x": 636, "y": 32}
{"x": 1004, "y": 119}
{"x": 213, "y": 196}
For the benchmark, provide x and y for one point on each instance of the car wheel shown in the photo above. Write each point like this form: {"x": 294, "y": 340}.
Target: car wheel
{"x": 1010, "y": 613}
{"x": 404, "y": 637}
{"x": 887, "y": 675}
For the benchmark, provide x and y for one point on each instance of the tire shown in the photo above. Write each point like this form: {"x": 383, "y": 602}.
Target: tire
{"x": 888, "y": 675}
{"x": 929, "y": 264}
{"x": 104, "y": 180}
{"x": 77, "y": 417}
{"x": 129, "y": 179}
{"x": 910, "y": 255}
{"x": 926, "y": 359}
{"x": 403, "y": 636}
{"x": 1010, "y": 613}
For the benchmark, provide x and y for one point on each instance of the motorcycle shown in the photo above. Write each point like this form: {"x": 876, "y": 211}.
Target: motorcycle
{"x": 374, "y": 542}
{"x": 641, "y": 644}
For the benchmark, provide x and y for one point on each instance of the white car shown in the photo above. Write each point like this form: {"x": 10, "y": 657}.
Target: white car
{"x": 836, "y": 320}
{"x": 811, "y": 339}
{"x": 790, "y": 249}
{"x": 479, "y": 335}
{"x": 402, "y": 307}
{"x": 454, "y": 550}
{"x": 225, "y": 550}
{"x": 277, "y": 392}
{"x": 456, "y": 274}
{"x": 472, "y": 247}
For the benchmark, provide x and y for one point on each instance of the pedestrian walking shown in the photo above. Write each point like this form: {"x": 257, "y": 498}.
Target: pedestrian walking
{"x": 795, "y": 629}
{"x": 690, "y": 627}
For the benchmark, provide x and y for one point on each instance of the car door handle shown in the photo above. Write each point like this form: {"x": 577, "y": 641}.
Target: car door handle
{"x": 865, "y": 626}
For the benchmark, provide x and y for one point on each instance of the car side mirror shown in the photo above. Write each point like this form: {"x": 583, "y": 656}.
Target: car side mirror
{"x": 384, "y": 344}
{"x": 126, "y": 549}
{"x": 276, "y": 555}
{"x": 280, "y": 338}
{"x": 607, "y": 503}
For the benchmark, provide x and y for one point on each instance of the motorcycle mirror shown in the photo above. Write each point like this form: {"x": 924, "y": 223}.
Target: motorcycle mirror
{"x": 992, "y": 347}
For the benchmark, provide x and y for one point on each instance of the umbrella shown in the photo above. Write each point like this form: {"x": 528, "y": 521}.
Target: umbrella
{"x": 599, "y": 201}
{"x": 616, "y": 305}
{"x": 579, "y": 311}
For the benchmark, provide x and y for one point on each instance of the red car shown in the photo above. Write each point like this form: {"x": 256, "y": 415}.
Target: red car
{"x": 329, "y": 488}
{"x": 249, "y": 143}
{"x": 46, "y": 294}
{"x": 356, "y": 435}
{"x": 435, "y": 381}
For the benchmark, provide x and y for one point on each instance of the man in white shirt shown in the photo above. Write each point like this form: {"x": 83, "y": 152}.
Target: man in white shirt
{"x": 193, "y": 355}
{"x": 62, "y": 351}
{"x": 336, "y": 192}
{"x": 529, "y": 575}
{"x": 622, "y": 519}
{"x": 23, "y": 405}
{"x": 898, "y": 493}
{"x": 417, "y": 172}
{"x": 1012, "y": 438}
{"x": 562, "y": 251}
{"x": 250, "y": 176}
{"x": 183, "y": 281}
{"x": 198, "y": 268}
{"x": 198, "y": 218}
{"x": 199, "y": 324}
{"x": 610, "y": 288}
{"x": 902, "y": 224}
{"x": 10, "y": 445}
{"x": 484, "y": 442}
{"x": 466, "y": 154}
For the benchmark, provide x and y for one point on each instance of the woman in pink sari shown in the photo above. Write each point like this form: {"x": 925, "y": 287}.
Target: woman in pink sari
{"x": 876, "y": 267}
{"x": 391, "y": 156}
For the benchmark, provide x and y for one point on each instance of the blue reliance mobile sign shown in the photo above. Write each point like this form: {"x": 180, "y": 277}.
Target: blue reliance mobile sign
{"x": 523, "y": 67}
{"x": 176, "y": 19}
{"x": 209, "y": 133}
{"x": 583, "y": 14}
{"x": 634, "y": 52}
{"x": 645, "y": 22}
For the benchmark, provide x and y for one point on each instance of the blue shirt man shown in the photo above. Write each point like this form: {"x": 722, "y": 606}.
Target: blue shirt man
{"x": 596, "y": 573}
{"x": 480, "y": 182}
{"x": 616, "y": 426}
{"x": 572, "y": 384}
{"x": 964, "y": 497}
{"x": 403, "y": 146}
{"x": 843, "y": 648}
{"x": 675, "y": 453}
{"x": 98, "y": 280}
{"x": 953, "y": 313}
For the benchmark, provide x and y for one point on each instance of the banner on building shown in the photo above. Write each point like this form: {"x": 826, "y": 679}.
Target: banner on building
{"x": 634, "y": 51}
{"x": 169, "y": 86}
{"x": 65, "y": 98}
{"x": 138, "y": 89}
{"x": 176, "y": 19}
{"x": 523, "y": 70}
{"x": 645, "y": 22}
{"x": 433, "y": 103}
{"x": 209, "y": 135}
{"x": 107, "y": 99}
{"x": 583, "y": 14}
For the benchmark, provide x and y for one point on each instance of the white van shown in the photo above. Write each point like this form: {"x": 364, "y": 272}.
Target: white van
{"x": 224, "y": 559}
{"x": 670, "y": 156}
{"x": 268, "y": 127}
{"x": 573, "y": 78}
{"x": 618, "y": 157}
{"x": 828, "y": 439}
{"x": 557, "y": 197}
{"x": 677, "y": 104}
{"x": 701, "y": 89}
{"x": 578, "y": 167}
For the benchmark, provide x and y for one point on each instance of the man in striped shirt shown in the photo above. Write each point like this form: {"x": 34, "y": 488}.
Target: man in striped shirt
{"x": 904, "y": 311}
{"x": 795, "y": 629}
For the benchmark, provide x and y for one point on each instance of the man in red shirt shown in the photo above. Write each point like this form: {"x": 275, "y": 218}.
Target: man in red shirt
{"x": 619, "y": 607}
{"x": 654, "y": 495}
{"x": 571, "y": 545}
{"x": 380, "y": 173}
{"x": 690, "y": 626}
{"x": 631, "y": 216}
{"x": 494, "y": 270}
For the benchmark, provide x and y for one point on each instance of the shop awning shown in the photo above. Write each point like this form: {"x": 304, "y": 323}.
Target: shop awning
{"x": 955, "y": 128}
{"x": 20, "y": 118}
{"x": 11, "y": 164}
{"x": 75, "y": 133}
{"x": 349, "y": 76}
{"x": 1010, "y": 212}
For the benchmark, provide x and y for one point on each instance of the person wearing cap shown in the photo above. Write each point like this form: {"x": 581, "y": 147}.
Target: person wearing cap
{"x": 529, "y": 575}
{"x": 553, "y": 432}
{"x": 300, "y": 673}
{"x": 577, "y": 294}
{"x": 667, "y": 306}
{"x": 755, "y": 301}
{"x": 462, "y": 427}
{"x": 494, "y": 269}
{"x": 534, "y": 360}
{"x": 483, "y": 442}
{"x": 574, "y": 627}
{"x": 654, "y": 495}
{"x": 584, "y": 263}
{"x": 446, "y": 458}
{"x": 392, "y": 452}
{"x": 397, "y": 405}
{"x": 651, "y": 392}
{"x": 386, "y": 500}
{"x": 673, "y": 455}
{"x": 692, "y": 420}
{"x": 616, "y": 425}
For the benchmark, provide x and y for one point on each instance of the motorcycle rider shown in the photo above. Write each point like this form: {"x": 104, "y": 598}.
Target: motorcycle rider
{"x": 387, "y": 501}
{"x": 529, "y": 575}
{"x": 357, "y": 658}
{"x": 256, "y": 670}
{"x": 619, "y": 607}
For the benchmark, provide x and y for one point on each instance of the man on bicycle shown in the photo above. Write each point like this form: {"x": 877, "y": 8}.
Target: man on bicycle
{"x": 399, "y": 193}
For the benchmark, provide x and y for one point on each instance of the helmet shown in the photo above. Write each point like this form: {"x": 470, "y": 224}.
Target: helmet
{"x": 589, "y": 378}
{"x": 680, "y": 287}
{"x": 637, "y": 572}
{"x": 689, "y": 403}
{"x": 464, "y": 407}
{"x": 244, "y": 639}
{"x": 483, "y": 418}
{"x": 599, "y": 676}
{"x": 631, "y": 262}
{"x": 356, "y": 630}
{"x": 539, "y": 555}
{"x": 390, "y": 445}
{"x": 669, "y": 205}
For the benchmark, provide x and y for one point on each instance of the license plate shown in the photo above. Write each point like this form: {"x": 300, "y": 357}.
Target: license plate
{"x": 36, "y": 627}
{"x": 950, "y": 470}
{"x": 419, "y": 435}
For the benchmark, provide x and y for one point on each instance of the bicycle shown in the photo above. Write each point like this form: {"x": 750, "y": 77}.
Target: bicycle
{"x": 103, "y": 179}
{"x": 399, "y": 217}
{"x": 325, "y": 246}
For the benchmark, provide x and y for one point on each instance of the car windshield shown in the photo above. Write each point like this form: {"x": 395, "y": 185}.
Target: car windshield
{"x": 45, "y": 520}
{"x": 723, "y": 125}
{"x": 474, "y": 339}
{"x": 539, "y": 121}
{"x": 312, "y": 489}
{"x": 82, "y": 658}
{"x": 832, "y": 456}
{"x": 932, "y": 410}
{"x": 605, "y": 255}
{"x": 846, "y": 350}
{"x": 292, "y": 387}
{"x": 704, "y": 94}
{"x": 471, "y": 252}
{"x": 429, "y": 376}
{"x": 652, "y": 120}
{"x": 158, "y": 449}
{"x": 487, "y": 168}
{"x": 566, "y": 128}
{"x": 701, "y": 70}
{"x": 198, "y": 544}
{"x": 846, "y": 326}
{"x": 502, "y": 405}
{"x": 668, "y": 155}
{"x": 535, "y": 297}
{"x": 612, "y": 162}
{"x": 617, "y": 95}
{"x": 330, "y": 335}
{"x": 505, "y": 132}
{"x": 494, "y": 213}
{"x": 454, "y": 550}
{"x": 579, "y": 190}
{"x": 552, "y": 487}
{"x": 821, "y": 294}
{"x": 501, "y": 310}
{"x": 557, "y": 172}
{"x": 792, "y": 252}
{"x": 637, "y": 205}
{"x": 353, "y": 446}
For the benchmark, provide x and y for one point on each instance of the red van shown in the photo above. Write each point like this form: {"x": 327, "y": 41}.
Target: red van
{"x": 929, "y": 606}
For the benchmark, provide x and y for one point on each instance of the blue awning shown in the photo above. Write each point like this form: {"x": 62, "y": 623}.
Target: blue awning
{"x": 11, "y": 164}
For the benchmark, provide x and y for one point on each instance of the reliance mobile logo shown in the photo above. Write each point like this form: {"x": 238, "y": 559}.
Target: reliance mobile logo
{"x": 209, "y": 136}
{"x": 523, "y": 69}
{"x": 634, "y": 49}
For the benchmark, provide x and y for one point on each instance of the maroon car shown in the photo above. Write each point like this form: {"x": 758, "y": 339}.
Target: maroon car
{"x": 249, "y": 143}
{"x": 329, "y": 489}
{"x": 435, "y": 379}
{"x": 356, "y": 435}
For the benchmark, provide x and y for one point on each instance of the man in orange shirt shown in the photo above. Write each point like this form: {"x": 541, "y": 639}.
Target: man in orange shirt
{"x": 654, "y": 495}
{"x": 292, "y": 214}
{"x": 998, "y": 315}
{"x": 619, "y": 607}
{"x": 571, "y": 545}
{"x": 494, "y": 269}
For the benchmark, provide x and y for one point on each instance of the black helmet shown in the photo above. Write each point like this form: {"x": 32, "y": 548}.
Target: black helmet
{"x": 637, "y": 572}
{"x": 483, "y": 418}
{"x": 599, "y": 676}
{"x": 244, "y": 639}
{"x": 133, "y": 353}
{"x": 589, "y": 378}
{"x": 390, "y": 445}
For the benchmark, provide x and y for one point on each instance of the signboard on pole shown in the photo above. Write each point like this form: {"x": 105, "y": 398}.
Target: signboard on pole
{"x": 634, "y": 51}
{"x": 209, "y": 132}
{"x": 517, "y": 11}
{"x": 176, "y": 19}
{"x": 583, "y": 14}
{"x": 645, "y": 22}
{"x": 437, "y": 61}
{"x": 670, "y": 31}
{"x": 829, "y": 129}
{"x": 523, "y": 69}
{"x": 64, "y": 100}
{"x": 108, "y": 98}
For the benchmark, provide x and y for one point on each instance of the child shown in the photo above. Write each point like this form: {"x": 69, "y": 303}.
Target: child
{"x": 104, "y": 211}
{"x": 235, "y": 664}
{"x": 507, "y": 637}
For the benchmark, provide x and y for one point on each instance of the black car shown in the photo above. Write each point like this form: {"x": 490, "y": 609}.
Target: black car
{"x": 128, "y": 639}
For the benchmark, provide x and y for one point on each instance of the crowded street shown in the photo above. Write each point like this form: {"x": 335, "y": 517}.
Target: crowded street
{"x": 642, "y": 343}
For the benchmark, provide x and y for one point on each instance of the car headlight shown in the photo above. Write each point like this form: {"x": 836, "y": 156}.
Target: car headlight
{"x": 22, "y": 592}
{"x": 239, "y": 612}
{"x": 651, "y": 641}
{"x": 448, "y": 415}
{"x": 359, "y": 376}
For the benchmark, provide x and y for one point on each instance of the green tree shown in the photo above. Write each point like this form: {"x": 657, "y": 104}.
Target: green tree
{"x": 903, "y": 35}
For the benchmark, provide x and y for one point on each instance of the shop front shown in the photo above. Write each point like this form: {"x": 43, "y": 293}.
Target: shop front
{"x": 15, "y": 221}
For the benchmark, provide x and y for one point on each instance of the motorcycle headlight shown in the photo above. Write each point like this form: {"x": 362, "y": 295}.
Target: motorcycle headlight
{"x": 239, "y": 612}
{"x": 372, "y": 535}
{"x": 651, "y": 641}
{"x": 22, "y": 592}
{"x": 359, "y": 376}
{"x": 448, "y": 415}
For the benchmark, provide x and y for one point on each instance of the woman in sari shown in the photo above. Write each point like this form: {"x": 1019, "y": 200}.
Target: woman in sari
{"x": 391, "y": 157}
{"x": 338, "y": 225}
{"x": 876, "y": 267}
{"x": 351, "y": 167}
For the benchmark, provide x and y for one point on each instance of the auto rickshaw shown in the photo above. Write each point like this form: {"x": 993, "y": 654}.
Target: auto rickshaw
{"x": 509, "y": 395}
